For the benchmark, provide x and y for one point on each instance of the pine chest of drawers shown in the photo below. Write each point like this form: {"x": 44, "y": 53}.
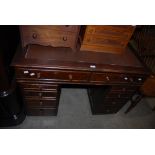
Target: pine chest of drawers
{"x": 112, "y": 39}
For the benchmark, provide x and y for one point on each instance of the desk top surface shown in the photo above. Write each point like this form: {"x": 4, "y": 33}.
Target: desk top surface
{"x": 65, "y": 58}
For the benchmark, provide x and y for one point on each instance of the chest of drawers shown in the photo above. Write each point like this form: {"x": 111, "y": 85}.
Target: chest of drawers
{"x": 56, "y": 36}
{"x": 111, "y": 39}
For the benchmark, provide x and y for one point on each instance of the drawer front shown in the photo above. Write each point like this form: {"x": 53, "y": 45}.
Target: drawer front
{"x": 38, "y": 86}
{"x": 124, "y": 88}
{"x": 32, "y": 102}
{"x": 118, "y": 31}
{"x": 55, "y": 75}
{"x": 117, "y": 78}
{"x": 104, "y": 41}
{"x": 40, "y": 94}
{"x": 47, "y": 37}
{"x": 119, "y": 95}
{"x": 67, "y": 28}
{"x": 41, "y": 111}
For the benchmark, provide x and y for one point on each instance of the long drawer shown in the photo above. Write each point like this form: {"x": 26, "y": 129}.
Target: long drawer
{"x": 55, "y": 75}
{"x": 116, "y": 78}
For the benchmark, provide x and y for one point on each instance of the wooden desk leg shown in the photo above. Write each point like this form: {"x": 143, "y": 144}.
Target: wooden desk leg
{"x": 134, "y": 102}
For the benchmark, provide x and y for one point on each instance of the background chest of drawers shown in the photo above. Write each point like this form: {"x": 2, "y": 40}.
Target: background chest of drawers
{"x": 56, "y": 36}
{"x": 111, "y": 39}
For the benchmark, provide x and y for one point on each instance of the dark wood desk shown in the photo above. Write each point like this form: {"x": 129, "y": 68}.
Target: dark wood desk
{"x": 111, "y": 79}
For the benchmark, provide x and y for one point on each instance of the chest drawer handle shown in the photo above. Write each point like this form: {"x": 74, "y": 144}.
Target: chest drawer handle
{"x": 34, "y": 35}
{"x": 64, "y": 38}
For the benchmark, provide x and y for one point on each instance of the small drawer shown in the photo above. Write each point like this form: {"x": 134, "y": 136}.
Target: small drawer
{"x": 67, "y": 28}
{"x": 32, "y": 102}
{"x": 42, "y": 111}
{"x": 104, "y": 41}
{"x": 55, "y": 75}
{"x": 40, "y": 94}
{"x": 118, "y": 31}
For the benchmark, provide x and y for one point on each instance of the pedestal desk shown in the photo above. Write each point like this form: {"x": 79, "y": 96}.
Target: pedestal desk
{"x": 111, "y": 79}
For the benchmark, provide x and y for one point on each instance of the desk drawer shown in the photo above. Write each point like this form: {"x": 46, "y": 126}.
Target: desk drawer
{"x": 55, "y": 75}
{"x": 117, "y": 78}
{"x": 38, "y": 86}
{"x": 35, "y": 102}
{"x": 42, "y": 111}
{"x": 40, "y": 94}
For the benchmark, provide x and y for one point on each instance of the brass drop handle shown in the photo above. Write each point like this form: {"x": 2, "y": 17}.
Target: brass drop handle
{"x": 70, "y": 76}
{"x": 64, "y": 38}
{"x": 34, "y": 35}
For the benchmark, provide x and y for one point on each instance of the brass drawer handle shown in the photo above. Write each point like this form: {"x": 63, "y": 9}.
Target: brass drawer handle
{"x": 70, "y": 76}
{"x": 26, "y": 72}
{"x": 139, "y": 79}
{"x": 125, "y": 78}
{"x": 32, "y": 74}
{"x": 34, "y": 35}
{"x": 64, "y": 38}
{"x": 107, "y": 78}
